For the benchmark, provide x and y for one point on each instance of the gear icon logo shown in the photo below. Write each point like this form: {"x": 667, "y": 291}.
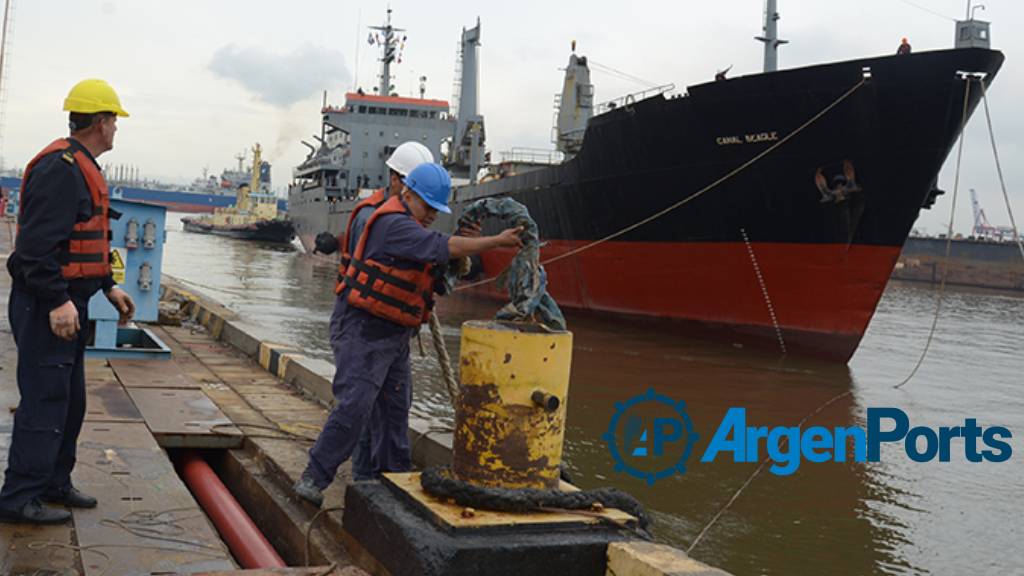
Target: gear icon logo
{"x": 650, "y": 436}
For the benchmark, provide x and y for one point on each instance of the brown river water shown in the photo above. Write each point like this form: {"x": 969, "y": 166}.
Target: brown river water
{"x": 895, "y": 516}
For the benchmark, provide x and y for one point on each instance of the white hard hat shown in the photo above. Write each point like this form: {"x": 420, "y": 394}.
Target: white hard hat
{"x": 407, "y": 156}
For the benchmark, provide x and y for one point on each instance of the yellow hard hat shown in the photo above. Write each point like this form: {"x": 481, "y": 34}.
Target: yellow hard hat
{"x": 93, "y": 96}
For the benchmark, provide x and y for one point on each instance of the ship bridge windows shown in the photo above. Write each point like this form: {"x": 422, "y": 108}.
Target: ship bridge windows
{"x": 397, "y": 112}
{"x": 362, "y": 109}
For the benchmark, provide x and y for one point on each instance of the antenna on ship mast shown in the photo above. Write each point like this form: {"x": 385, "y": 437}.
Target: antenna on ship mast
{"x": 389, "y": 48}
{"x": 771, "y": 37}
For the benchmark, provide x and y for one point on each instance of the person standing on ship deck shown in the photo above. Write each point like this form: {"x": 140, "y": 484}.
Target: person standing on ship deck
{"x": 385, "y": 296}
{"x": 61, "y": 258}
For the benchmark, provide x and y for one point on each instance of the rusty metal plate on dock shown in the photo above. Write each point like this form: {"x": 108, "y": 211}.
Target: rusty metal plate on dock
{"x": 285, "y": 402}
{"x": 52, "y": 558}
{"x": 450, "y": 516}
{"x": 151, "y": 374}
{"x": 107, "y": 401}
{"x": 139, "y": 493}
{"x": 185, "y": 419}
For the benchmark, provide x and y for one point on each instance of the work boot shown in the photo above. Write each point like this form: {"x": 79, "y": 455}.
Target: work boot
{"x": 35, "y": 513}
{"x": 70, "y": 497}
{"x": 306, "y": 489}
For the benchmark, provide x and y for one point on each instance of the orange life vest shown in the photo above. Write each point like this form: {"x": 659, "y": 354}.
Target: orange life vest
{"x": 403, "y": 296}
{"x": 87, "y": 253}
{"x": 378, "y": 197}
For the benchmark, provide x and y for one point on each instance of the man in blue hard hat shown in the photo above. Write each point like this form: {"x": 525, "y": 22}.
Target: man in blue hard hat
{"x": 387, "y": 295}
{"x": 402, "y": 161}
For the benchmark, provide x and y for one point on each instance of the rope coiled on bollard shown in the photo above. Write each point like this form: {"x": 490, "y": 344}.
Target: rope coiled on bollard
{"x": 441, "y": 483}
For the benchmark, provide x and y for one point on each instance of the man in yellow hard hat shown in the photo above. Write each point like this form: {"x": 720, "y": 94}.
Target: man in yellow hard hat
{"x": 61, "y": 258}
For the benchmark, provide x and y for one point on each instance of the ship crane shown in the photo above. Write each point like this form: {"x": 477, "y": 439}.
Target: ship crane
{"x": 982, "y": 227}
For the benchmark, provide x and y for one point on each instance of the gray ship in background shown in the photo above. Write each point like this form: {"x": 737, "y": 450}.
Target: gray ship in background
{"x": 347, "y": 161}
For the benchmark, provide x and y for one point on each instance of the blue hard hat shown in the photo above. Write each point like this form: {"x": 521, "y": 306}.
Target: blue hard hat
{"x": 432, "y": 183}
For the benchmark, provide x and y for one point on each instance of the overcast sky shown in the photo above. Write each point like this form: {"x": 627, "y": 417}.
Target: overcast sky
{"x": 206, "y": 79}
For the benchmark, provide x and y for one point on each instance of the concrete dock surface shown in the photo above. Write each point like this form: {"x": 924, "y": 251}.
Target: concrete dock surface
{"x": 251, "y": 408}
{"x": 207, "y": 396}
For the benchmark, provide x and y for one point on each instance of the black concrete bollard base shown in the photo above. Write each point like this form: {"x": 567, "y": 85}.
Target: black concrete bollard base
{"x": 387, "y": 531}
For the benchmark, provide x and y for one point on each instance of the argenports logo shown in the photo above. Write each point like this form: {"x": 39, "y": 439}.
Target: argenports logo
{"x": 651, "y": 437}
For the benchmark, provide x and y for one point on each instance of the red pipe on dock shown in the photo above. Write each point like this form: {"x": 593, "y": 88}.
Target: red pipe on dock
{"x": 244, "y": 539}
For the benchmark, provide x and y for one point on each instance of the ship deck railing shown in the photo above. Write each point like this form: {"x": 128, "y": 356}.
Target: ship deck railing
{"x": 630, "y": 99}
{"x": 521, "y": 155}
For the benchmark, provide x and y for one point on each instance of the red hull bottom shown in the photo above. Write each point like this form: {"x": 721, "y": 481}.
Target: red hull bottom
{"x": 822, "y": 296}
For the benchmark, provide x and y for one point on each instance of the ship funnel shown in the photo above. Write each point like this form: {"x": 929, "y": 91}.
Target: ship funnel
{"x": 468, "y": 141}
{"x": 575, "y": 105}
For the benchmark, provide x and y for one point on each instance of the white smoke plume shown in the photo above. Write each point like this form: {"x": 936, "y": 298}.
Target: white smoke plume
{"x": 281, "y": 79}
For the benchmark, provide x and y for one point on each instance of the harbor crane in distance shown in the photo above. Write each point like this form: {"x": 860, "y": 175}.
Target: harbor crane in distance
{"x": 982, "y": 227}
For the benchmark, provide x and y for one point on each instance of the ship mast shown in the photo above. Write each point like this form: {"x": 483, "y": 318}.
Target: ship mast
{"x": 388, "y": 46}
{"x": 771, "y": 37}
{"x": 3, "y": 53}
{"x": 242, "y": 200}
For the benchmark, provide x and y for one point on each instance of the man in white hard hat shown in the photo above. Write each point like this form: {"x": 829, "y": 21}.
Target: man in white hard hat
{"x": 386, "y": 295}
{"x": 402, "y": 161}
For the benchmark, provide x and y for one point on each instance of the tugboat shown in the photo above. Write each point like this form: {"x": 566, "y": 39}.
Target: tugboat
{"x": 255, "y": 215}
{"x": 771, "y": 206}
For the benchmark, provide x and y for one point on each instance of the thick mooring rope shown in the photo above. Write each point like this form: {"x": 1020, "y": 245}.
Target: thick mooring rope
{"x": 999, "y": 170}
{"x": 441, "y": 483}
{"x": 949, "y": 237}
{"x": 451, "y": 384}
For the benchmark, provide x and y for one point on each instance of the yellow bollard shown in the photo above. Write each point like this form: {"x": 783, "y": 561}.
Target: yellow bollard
{"x": 510, "y": 414}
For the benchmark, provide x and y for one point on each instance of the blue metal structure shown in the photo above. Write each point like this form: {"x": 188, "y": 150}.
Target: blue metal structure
{"x": 137, "y": 255}
{"x": 11, "y": 206}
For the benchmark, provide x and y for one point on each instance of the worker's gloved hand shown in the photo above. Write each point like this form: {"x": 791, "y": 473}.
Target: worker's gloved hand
{"x": 326, "y": 243}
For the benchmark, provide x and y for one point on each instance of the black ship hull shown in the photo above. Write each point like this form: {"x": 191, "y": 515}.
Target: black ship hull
{"x": 275, "y": 231}
{"x": 768, "y": 251}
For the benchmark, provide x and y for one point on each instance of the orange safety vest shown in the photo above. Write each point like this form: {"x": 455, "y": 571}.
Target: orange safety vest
{"x": 87, "y": 252}
{"x": 403, "y": 296}
{"x": 378, "y": 197}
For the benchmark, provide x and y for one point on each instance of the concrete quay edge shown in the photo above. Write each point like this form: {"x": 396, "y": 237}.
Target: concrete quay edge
{"x": 312, "y": 378}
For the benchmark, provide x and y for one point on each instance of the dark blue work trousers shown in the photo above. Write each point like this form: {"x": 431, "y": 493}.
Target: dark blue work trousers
{"x": 51, "y": 381}
{"x": 372, "y": 396}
